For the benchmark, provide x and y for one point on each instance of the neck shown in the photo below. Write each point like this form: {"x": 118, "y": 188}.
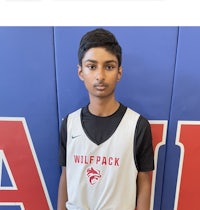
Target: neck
{"x": 103, "y": 108}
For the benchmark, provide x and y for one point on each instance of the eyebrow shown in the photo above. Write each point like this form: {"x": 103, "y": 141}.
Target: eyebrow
{"x": 108, "y": 61}
{"x": 90, "y": 60}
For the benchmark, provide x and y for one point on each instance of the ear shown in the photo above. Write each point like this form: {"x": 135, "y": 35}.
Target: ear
{"x": 119, "y": 73}
{"x": 80, "y": 72}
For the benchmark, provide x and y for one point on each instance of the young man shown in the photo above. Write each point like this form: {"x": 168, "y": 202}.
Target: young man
{"x": 106, "y": 148}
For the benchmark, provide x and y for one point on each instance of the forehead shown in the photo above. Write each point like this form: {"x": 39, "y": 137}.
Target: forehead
{"x": 99, "y": 54}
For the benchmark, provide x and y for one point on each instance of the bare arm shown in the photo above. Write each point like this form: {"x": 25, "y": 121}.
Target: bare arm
{"x": 62, "y": 191}
{"x": 143, "y": 191}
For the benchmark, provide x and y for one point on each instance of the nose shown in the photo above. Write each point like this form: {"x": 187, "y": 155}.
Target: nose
{"x": 100, "y": 74}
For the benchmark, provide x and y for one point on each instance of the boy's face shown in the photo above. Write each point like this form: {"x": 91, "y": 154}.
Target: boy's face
{"x": 100, "y": 72}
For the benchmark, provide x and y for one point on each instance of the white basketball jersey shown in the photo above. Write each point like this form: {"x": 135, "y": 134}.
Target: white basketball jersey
{"x": 101, "y": 177}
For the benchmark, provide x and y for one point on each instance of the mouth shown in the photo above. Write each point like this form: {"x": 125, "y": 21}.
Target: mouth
{"x": 100, "y": 86}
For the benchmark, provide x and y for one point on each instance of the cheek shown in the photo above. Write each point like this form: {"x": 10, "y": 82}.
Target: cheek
{"x": 87, "y": 83}
{"x": 115, "y": 79}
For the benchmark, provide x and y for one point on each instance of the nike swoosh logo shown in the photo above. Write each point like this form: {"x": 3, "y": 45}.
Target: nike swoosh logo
{"x": 75, "y": 136}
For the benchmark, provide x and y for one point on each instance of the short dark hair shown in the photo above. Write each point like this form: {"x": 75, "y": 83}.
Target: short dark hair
{"x": 99, "y": 38}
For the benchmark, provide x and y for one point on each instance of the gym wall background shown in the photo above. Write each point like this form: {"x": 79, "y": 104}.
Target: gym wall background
{"x": 39, "y": 86}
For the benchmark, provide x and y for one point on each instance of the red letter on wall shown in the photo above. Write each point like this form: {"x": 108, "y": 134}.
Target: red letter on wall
{"x": 17, "y": 152}
{"x": 188, "y": 185}
{"x": 159, "y": 130}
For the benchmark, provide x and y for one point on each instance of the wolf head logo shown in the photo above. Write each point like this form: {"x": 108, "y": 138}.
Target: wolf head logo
{"x": 93, "y": 175}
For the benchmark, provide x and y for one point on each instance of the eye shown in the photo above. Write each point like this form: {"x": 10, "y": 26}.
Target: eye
{"x": 91, "y": 66}
{"x": 110, "y": 67}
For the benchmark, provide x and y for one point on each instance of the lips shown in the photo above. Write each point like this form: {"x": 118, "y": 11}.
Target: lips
{"x": 100, "y": 86}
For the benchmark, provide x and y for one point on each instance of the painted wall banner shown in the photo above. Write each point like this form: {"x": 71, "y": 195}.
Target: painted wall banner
{"x": 21, "y": 176}
{"x": 21, "y": 180}
{"x": 188, "y": 187}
